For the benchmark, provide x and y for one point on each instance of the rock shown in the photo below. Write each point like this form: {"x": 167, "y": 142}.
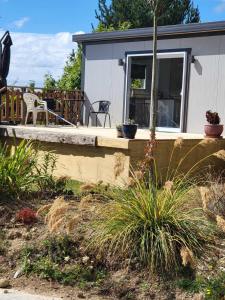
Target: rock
{"x": 85, "y": 259}
{"x": 4, "y": 283}
{"x": 18, "y": 273}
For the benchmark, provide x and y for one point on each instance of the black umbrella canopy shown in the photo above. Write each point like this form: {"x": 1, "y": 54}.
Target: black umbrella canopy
{"x": 5, "y": 59}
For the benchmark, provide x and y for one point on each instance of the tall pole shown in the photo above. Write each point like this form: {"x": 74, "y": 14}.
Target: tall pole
{"x": 153, "y": 102}
{"x": 154, "y": 92}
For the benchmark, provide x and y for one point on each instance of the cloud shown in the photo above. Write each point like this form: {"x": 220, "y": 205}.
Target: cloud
{"x": 34, "y": 55}
{"x": 21, "y": 22}
{"x": 220, "y": 6}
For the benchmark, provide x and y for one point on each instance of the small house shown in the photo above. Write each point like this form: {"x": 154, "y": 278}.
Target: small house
{"x": 117, "y": 67}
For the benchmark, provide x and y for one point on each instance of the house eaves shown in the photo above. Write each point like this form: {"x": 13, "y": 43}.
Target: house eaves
{"x": 164, "y": 32}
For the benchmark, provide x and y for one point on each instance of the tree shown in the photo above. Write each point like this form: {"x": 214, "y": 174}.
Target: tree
{"x": 139, "y": 14}
{"x": 49, "y": 82}
{"x": 107, "y": 28}
{"x": 71, "y": 78}
{"x": 31, "y": 85}
{"x": 159, "y": 8}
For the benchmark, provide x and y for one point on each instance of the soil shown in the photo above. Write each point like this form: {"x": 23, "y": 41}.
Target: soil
{"x": 120, "y": 283}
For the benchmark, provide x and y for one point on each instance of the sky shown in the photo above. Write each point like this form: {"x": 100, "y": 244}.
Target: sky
{"x": 42, "y": 32}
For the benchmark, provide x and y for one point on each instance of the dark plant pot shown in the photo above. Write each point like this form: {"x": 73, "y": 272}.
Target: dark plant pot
{"x": 119, "y": 133}
{"x": 213, "y": 131}
{"x": 129, "y": 131}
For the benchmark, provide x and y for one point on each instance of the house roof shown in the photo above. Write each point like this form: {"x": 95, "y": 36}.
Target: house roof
{"x": 164, "y": 32}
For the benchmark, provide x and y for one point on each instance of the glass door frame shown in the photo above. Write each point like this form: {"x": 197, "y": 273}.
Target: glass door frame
{"x": 161, "y": 55}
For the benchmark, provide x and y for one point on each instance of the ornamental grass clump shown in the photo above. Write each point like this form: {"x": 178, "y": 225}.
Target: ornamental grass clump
{"x": 152, "y": 226}
{"x": 159, "y": 222}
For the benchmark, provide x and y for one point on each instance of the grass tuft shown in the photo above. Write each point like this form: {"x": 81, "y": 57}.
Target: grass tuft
{"x": 152, "y": 225}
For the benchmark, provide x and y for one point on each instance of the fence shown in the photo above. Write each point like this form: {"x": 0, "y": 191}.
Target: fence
{"x": 66, "y": 104}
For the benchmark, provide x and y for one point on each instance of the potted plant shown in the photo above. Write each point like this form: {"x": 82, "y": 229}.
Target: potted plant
{"x": 214, "y": 129}
{"x": 129, "y": 129}
{"x": 119, "y": 129}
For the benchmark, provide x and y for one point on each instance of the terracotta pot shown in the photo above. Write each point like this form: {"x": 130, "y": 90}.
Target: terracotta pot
{"x": 213, "y": 131}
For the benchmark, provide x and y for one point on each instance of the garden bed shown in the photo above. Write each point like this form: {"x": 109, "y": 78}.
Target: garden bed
{"x": 148, "y": 240}
{"x": 93, "y": 279}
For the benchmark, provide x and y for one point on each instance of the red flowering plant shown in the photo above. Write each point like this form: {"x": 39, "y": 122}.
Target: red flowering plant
{"x": 26, "y": 216}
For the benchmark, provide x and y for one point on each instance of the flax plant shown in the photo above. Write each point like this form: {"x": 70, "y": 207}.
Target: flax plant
{"x": 23, "y": 170}
{"x": 16, "y": 168}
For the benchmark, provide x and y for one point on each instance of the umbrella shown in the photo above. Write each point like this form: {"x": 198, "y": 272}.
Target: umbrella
{"x": 4, "y": 61}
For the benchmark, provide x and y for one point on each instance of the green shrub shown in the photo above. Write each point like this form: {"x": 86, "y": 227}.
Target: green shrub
{"x": 17, "y": 168}
{"x": 152, "y": 225}
{"x": 23, "y": 170}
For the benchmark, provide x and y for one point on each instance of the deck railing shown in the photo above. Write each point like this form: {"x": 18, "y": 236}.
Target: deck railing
{"x": 66, "y": 104}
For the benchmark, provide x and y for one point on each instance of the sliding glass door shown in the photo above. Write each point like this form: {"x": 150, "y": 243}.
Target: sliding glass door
{"x": 171, "y": 84}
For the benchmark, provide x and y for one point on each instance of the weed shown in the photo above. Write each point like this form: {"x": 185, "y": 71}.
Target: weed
{"x": 48, "y": 261}
{"x": 59, "y": 248}
{"x": 213, "y": 287}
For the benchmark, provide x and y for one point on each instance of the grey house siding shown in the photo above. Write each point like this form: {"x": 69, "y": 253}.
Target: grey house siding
{"x": 105, "y": 79}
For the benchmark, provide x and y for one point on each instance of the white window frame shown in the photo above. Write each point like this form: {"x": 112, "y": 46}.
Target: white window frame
{"x": 160, "y": 55}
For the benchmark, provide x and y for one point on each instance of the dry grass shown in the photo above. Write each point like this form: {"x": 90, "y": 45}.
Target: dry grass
{"x": 213, "y": 198}
{"x": 187, "y": 257}
{"x": 56, "y": 215}
{"x": 220, "y": 223}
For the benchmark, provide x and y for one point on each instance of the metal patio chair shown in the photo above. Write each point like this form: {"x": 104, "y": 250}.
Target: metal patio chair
{"x": 102, "y": 107}
{"x": 35, "y": 105}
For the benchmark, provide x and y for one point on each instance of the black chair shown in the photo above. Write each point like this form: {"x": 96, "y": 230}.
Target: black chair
{"x": 102, "y": 107}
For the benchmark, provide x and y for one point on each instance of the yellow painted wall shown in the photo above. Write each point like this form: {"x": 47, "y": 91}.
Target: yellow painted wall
{"x": 113, "y": 165}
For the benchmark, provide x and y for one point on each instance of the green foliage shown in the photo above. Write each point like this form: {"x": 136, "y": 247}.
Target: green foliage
{"x": 58, "y": 248}
{"x": 49, "y": 82}
{"x": 31, "y": 85}
{"x": 212, "y": 287}
{"x": 23, "y": 170}
{"x": 138, "y": 13}
{"x": 17, "y": 168}
{"x": 107, "y": 28}
{"x": 45, "y": 181}
{"x": 48, "y": 261}
{"x": 152, "y": 224}
{"x": 73, "y": 186}
{"x": 71, "y": 78}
